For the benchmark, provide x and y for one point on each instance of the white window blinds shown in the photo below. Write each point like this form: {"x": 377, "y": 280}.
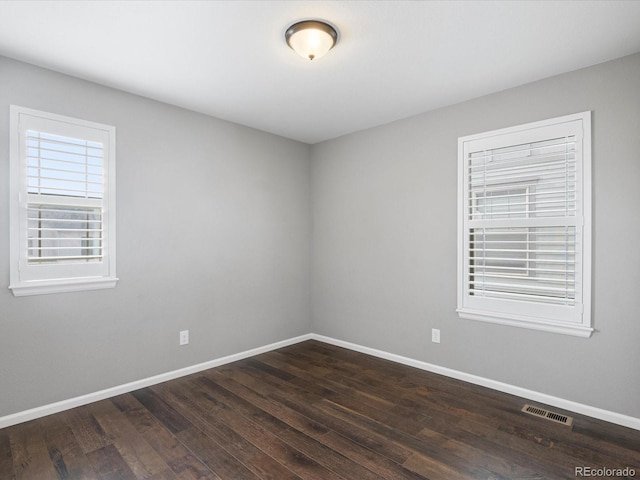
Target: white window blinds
{"x": 65, "y": 179}
{"x": 524, "y": 246}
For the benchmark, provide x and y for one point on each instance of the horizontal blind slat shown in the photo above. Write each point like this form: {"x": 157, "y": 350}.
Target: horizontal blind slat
{"x": 92, "y": 248}
{"x": 485, "y": 285}
{"x": 526, "y": 297}
{"x": 63, "y": 257}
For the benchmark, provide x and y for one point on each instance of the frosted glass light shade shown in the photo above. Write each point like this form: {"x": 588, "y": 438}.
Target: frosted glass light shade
{"x": 311, "y": 39}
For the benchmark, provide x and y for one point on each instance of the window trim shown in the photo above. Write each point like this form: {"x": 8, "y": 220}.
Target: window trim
{"x": 540, "y": 317}
{"x": 33, "y": 279}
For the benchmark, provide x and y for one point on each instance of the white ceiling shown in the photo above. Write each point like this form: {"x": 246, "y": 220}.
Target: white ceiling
{"x": 394, "y": 59}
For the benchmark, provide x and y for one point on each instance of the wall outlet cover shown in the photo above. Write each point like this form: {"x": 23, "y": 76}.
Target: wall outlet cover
{"x": 435, "y": 335}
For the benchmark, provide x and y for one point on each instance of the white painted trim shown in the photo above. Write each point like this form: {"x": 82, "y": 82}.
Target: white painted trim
{"x": 555, "y": 318}
{"x": 56, "y": 407}
{"x": 606, "y": 415}
{"x": 569, "y": 405}
{"x": 26, "y": 279}
{"x": 42, "y": 287}
{"x": 523, "y": 322}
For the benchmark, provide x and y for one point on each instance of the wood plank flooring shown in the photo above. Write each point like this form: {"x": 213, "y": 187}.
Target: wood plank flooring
{"x": 313, "y": 411}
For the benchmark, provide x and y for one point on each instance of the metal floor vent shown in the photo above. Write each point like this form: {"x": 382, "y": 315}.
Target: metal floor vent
{"x": 548, "y": 415}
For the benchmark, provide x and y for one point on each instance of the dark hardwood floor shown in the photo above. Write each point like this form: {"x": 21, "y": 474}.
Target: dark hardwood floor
{"x": 313, "y": 411}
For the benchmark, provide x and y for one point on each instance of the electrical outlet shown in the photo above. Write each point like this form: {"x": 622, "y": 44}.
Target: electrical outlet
{"x": 184, "y": 337}
{"x": 435, "y": 335}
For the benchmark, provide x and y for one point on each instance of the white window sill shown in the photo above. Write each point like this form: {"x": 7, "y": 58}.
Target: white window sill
{"x": 530, "y": 323}
{"x": 42, "y": 287}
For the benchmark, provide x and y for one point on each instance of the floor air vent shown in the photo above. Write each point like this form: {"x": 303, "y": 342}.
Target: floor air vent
{"x": 548, "y": 415}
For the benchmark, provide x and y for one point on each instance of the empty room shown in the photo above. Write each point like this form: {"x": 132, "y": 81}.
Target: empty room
{"x": 319, "y": 240}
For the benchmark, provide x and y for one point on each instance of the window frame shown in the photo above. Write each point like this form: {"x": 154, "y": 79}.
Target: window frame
{"x": 571, "y": 320}
{"x": 33, "y": 278}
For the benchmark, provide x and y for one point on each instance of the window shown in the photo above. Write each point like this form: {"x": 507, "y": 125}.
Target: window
{"x": 62, "y": 203}
{"x": 524, "y": 250}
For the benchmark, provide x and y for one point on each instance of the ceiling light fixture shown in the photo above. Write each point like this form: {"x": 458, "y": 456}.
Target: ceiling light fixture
{"x": 311, "y": 38}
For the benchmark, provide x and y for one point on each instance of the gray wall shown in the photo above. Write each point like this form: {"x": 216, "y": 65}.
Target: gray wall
{"x": 384, "y": 241}
{"x": 213, "y": 235}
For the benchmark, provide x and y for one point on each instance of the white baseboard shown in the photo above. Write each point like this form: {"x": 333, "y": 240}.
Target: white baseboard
{"x": 606, "y": 415}
{"x": 569, "y": 405}
{"x": 56, "y": 407}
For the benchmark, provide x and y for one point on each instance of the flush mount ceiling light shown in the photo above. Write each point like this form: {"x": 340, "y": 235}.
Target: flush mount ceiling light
{"x": 311, "y": 38}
